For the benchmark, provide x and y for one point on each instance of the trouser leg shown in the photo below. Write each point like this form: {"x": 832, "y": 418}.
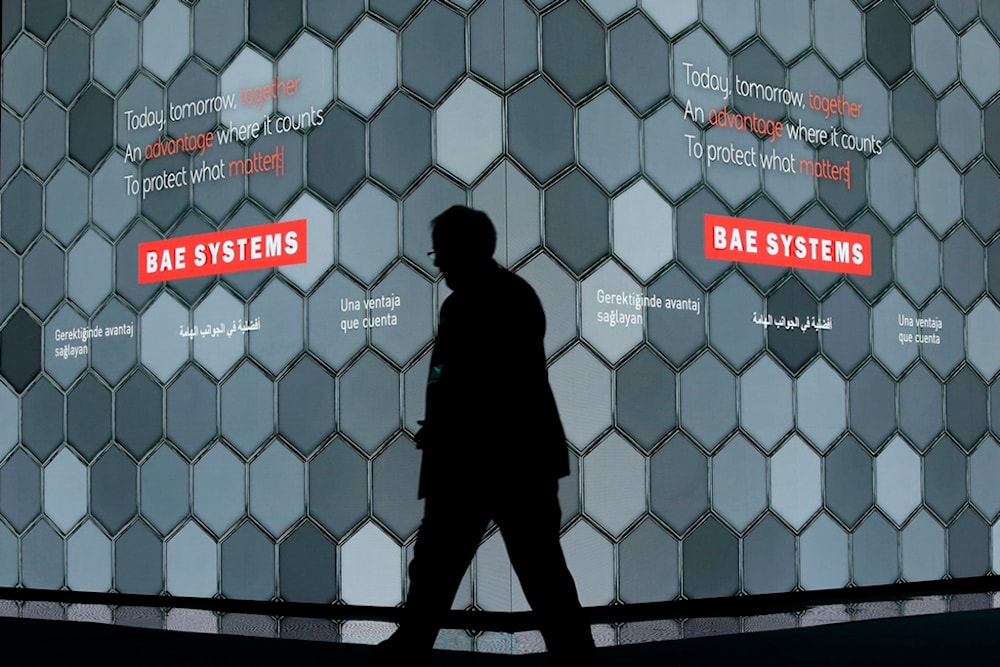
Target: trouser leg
{"x": 446, "y": 542}
{"x": 529, "y": 524}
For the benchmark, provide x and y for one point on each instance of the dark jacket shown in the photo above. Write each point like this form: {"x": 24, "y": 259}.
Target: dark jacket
{"x": 491, "y": 416}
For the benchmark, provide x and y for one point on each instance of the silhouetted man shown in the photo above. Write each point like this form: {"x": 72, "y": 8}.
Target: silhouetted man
{"x": 493, "y": 448}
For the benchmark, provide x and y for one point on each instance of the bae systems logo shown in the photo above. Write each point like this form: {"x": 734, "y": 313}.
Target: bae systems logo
{"x": 257, "y": 247}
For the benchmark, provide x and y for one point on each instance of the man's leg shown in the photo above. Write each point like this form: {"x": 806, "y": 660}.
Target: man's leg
{"x": 449, "y": 535}
{"x": 528, "y": 519}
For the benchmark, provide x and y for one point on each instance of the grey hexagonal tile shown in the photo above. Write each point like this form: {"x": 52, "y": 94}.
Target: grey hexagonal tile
{"x": 984, "y": 468}
{"x": 678, "y": 483}
{"x": 280, "y": 338}
{"x": 66, "y": 358}
{"x": 945, "y": 355}
{"x": 138, "y": 561}
{"x": 366, "y": 66}
{"x": 664, "y": 139}
{"x": 162, "y": 348}
{"x": 113, "y": 497}
{"x": 979, "y": 55}
{"x": 270, "y": 25}
{"x": 23, "y": 75}
{"x": 540, "y": 129}
{"x": 890, "y": 329}
{"x": 557, "y": 292}
{"x": 341, "y": 134}
{"x": 220, "y": 495}
{"x": 648, "y": 563}
{"x": 432, "y": 196}
{"x": 821, "y": 408}
{"x": 191, "y": 412}
{"x": 768, "y": 558}
{"x": 43, "y": 270}
{"x": 503, "y": 57}
{"x": 917, "y": 261}
{"x": 245, "y": 554}
{"x": 766, "y": 402}
{"x": 968, "y": 546}
{"x": 43, "y": 560}
{"x": 732, "y": 304}
{"x": 609, "y": 140}
{"x": 139, "y": 414}
{"x": 697, "y": 57}
{"x": 982, "y": 324}
{"x": 246, "y": 396}
{"x": 44, "y": 136}
{"x": 795, "y": 482}
{"x": 677, "y": 331}
{"x": 785, "y": 27}
{"x": 739, "y": 483}
{"x": 400, "y": 141}
{"x": 793, "y": 347}
{"x": 277, "y": 488}
{"x": 162, "y": 51}
{"x": 874, "y": 551}
{"x": 965, "y": 408}
{"x": 709, "y": 421}
{"x": 164, "y": 489}
{"x": 889, "y": 43}
{"x": 66, "y": 197}
{"x": 848, "y": 342}
{"x": 368, "y": 232}
{"x": 921, "y": 413}
{"x": 914, "y": 114}
{"x": 433, "y": 51}
{"x": 838, "y": 32}
{"x": 413, "y": 313}
{"x": 114, "y": 355}
{"x": 338, "y": 487}
{"x": 88, "y": 560}
{"x": 962, "y": 266}
{"x": 41, "y": 422}
{"x": 690, "y": 225}
{"x": 369, "y": 402}
{"x": 329, "y": 315}
{"x": 590, "y": 558}
{"x": 395, "y": 474}
{"x": 922, "y": 547}
{"x": 223, "y": 312}
{"x": 469, "y": 130}
{"x": 823, "y": 555}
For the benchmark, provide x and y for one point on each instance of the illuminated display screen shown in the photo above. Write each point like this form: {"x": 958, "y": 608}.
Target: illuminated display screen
{"x": 764, "y": 233}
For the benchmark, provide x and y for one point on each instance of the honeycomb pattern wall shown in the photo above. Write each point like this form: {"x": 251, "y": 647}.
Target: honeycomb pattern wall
{"x": 711, "y": 456}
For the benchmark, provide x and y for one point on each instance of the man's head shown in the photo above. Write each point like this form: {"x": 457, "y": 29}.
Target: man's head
{"x": 464, "y": 240}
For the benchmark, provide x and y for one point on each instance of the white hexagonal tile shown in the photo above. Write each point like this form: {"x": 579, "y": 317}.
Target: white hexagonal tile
{"x": 897, "y": 480}
{"x": 319, "y": 228}
{"x": 643, "y": 229}
{"x": 766, "y": 402}
{"x": 220, "y": 309}
{"x": 590, "y": 558}
{"x": 469, "y": 130}
{"x": 248, "y": 70}
{"x": 310, "y": 61}
{"x": 582, "y": 387}
{"x": 369, "y": 232}
{"x": 192, "y": 563}
{"x": 370, "y": 572}
{"x": 65, "y": 484}
{"x": 982, "y": 325}
{"x": 162, "y": 347}
{"x": 739, "y": 483}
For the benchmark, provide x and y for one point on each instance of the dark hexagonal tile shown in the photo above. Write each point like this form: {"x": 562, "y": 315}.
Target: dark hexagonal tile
{"x": 139, "y": 414}
{"x": 872, "y": 406}
{"x": 874, "y": 552}
{"x": 41, "y": 419}
{"x": 638, "y": 60}
{"x": 914, "y": 117}
{"x": 847, "y": 475}
{"x": 219, "y": 28}
{"x": 332, "y": 19}
{"x": 394, "y": 11}
{"x": 20, "y": 490}
{"x": 711, "y": 561}
{"x": 678, "y": 482}
{"x": 793, "y": 347}
{"x": 969, "y": 545}
{"x": 272, "y": 23}
{"x": 889, "y": 42}
{"x": 22, "y": 201}
{"x": 768, "y": 558}
{"x": 921, "y": 414}
{"x": 369, "y": 401}
{"x": 164, "y": 482}
{"x": 306, "y": 400}
{"x": 113, "y": 500}
{"x": 114, "y": 356}
{"x": 945, "y": 479}
{"x": 338, "y": 487}
{"x": 246, "y": 554}
{"x": 23, "y": 74}
{"x": 68, "y": 58}
{"x": 88, "y": 416}
{"x": 647, "y": 560}
{"x": 91, "y": 127}
{"x": 677, "y": 333}
{"x": 690, "y": 225}
{"x": 45, "y": 561}
{"x": 340, "y": 134}
{"x": 307, "y": 566}
{"x": 645, "y": 403}
{"x": 965, "y": 408}
{"x": 43, "y": 274}
{"x": 395, "y": 474}
{"x": 191, "y": 420}
{"x": 10, "y": 145}
{"x": 13, "y": 15}
{"x": 139, "y": 561}
{"x": 400, "y": 143}
{"x": 503, "y": 57}
{"x": 433, "y": 51}
{"x": 576, "y": 222}
{"x": 573, "y": 49}
{"x": 42, "y": 18}
{"x": 981, "y": 184}
{"x": 540, "y": 129}
{"x": 962, "y": 263}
